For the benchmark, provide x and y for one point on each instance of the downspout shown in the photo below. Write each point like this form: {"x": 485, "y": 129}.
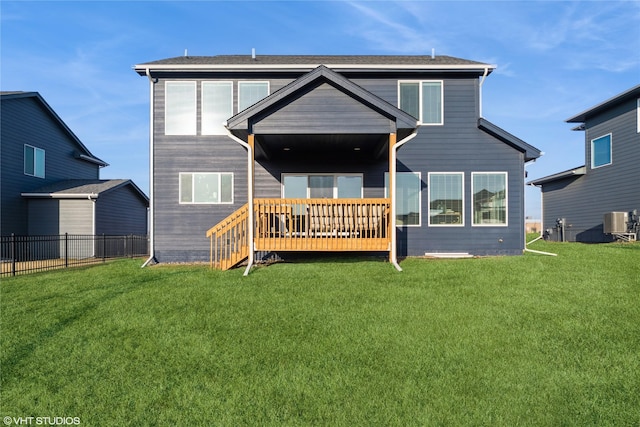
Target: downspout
{"x": 152, "y": 254}
{"x": 392, "y": 174}
{"x": 484, "y": 76}
{"x": 250, "y": 196}
{"x": 541, "y": 228}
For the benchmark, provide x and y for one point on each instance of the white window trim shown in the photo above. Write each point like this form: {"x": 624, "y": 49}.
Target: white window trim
{"x": 241, "y": 82}
{"x": 44, "y": 161}
{"x": 462, "y": 214}
{"x": 202, "y": 85}
{"x": 335, "y": 181}
{"x": 386, "y": 195}
{"x": 506, "y": 199}
{"x": 638, "y": 115}
{"x": 420, "y": 123}
{"x": 610, "y": 135}
{"x": 193, "y": 188}
{"x": 195, "y": 107}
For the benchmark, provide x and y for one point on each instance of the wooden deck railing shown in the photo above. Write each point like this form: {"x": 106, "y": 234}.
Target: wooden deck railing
{"x": 230, "y": 240}
{"x": 322, "y": 224}
{"x": 302, "y": 225}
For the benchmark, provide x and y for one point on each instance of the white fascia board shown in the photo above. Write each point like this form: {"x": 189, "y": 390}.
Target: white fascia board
{"x": 308, "y": 67}
{"x": 61, "y": 195}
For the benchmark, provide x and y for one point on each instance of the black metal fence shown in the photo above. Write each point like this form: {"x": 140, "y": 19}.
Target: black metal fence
{"x": 21, "y": 254}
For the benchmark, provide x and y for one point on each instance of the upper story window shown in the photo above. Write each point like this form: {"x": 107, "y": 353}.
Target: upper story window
{"x": 489, "y": 191}
{"x": 33, "y": 161}
{"x": 423, "y": 100}
{"x": 601, "y": 151}
{"x": 180, "y": 108}
{"x": 251, "y": 92}
{"x": 446, "y": 198}
{"x": 217, "y": 106}
{"x": 638, "y": 115}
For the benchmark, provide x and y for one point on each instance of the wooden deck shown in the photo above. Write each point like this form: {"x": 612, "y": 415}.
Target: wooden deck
{"x": 302, "y": 225}
{"x": 322, "y": 224}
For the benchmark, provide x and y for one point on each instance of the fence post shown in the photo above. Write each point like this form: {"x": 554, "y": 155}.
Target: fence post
{"x": 104, "y": 248}
{"x": 13, "y": 254}
{"x": 66, "y": 250}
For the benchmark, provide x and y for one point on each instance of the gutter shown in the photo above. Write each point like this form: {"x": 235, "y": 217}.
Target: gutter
{"x": 90, "y": 196}
{"x": 250, "y": 197}
{"x": 392, "y": 174}
{"x": 152, "y": 252}
{"x": 310, "y": 66}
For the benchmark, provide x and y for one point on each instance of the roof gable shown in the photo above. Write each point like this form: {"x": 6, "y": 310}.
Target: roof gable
{"x": 530, "y": 152}
{"x": 632, "y": 93}
{"x": 321, "y": 78}
{"x": 83, "y": 151}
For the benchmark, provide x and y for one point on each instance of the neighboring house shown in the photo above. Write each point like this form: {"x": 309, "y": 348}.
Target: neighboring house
{"x": 304, "y": 148}
{"x": 50, "y": 182}
{"x": 576, "y": 201}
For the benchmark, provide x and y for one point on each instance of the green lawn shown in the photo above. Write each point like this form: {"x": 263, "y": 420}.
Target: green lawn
{"x": 531, "y": 340}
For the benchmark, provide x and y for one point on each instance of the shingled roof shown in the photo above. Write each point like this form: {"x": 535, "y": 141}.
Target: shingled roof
{"x": 82, "y": 188}
{"x": 313, "y": 61}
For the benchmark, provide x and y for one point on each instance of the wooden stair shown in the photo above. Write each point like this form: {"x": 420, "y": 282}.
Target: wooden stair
{"x": 230, "y": 240}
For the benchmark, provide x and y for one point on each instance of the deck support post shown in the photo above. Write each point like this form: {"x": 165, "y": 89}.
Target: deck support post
{"x": 392, "y": 197}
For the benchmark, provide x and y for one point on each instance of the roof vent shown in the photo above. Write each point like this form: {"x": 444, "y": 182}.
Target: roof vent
{"x": 433, "y": 53}
{"x": 253, "y": 53}
{"x": 186, "y": 53}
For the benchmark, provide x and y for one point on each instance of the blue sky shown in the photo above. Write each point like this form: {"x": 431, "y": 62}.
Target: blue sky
{"x": 555, "y": 59}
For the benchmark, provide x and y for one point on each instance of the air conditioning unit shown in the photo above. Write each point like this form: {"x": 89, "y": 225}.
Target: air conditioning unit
{"x": 615, "y": 222}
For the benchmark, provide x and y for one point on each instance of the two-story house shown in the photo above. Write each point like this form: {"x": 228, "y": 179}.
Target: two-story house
{"x": 50, "y": 181}
{"x": 278, "y": 154}
{"x": 576, "y": 201}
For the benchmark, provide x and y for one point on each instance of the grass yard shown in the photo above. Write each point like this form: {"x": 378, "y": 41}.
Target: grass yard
{"x": 532, "y": 340}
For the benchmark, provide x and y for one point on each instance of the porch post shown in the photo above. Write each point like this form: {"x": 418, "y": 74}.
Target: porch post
{"x": 250, "y": 194}
{"x": 392, "y": 197}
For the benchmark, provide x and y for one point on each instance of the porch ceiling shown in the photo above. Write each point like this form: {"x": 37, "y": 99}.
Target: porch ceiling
{"x": 335, "y": 147}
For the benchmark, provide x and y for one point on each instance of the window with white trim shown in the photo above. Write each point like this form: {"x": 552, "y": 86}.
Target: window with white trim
{"x": 408, "y": 197}
{"x": 322, "y": 186}
{"x": 638, "y": 115}
{"x": 33, "y": 161}
{"x": 446, "y": 198}
{"x": 217, "y": 106}
{"x": 180, "y": 108}
{"x": 251, "y": 92}
{"x": 206, "y": 187}
{"x": 601, "y": 151}
{"x": 423, "y": 100}
{"x": 489, "y": 198}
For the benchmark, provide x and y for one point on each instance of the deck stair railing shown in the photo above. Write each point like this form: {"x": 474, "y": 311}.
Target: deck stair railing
{"x": 302, "y": 225}
{"x": 230, "y": 240}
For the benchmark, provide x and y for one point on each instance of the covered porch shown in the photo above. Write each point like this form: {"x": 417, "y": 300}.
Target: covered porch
{"x": 320, "y": 120}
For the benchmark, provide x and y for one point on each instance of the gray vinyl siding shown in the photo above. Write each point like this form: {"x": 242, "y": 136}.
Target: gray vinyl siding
{"x": 26, "y": 121}
{"x": 44, "y": 217}
{"x": 583, "y": 201}
{"x": 456, "y": 146}
{"x": 121, "y": 212}
{"x": 324, "y": 107}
